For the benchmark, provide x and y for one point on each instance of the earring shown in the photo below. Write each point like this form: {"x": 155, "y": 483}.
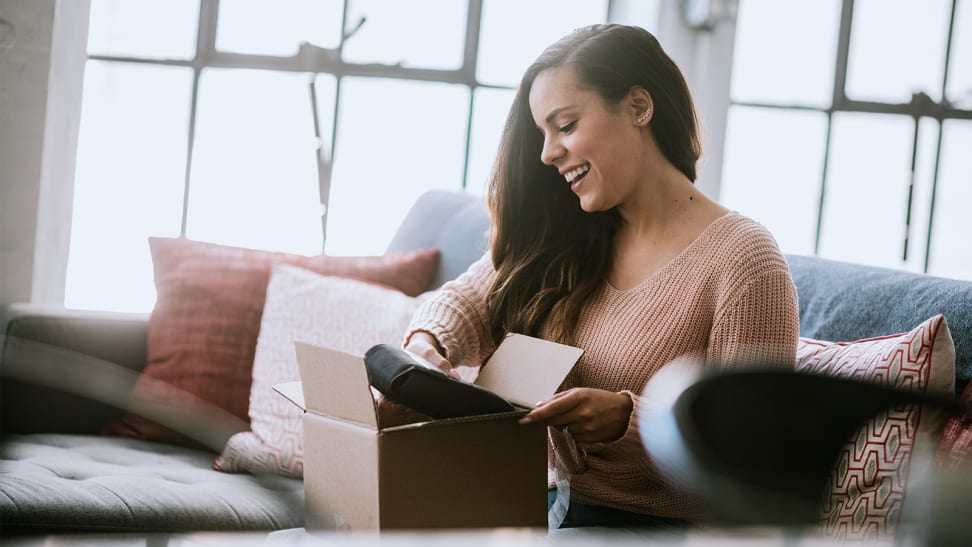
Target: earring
{"x": 643, "y": 117}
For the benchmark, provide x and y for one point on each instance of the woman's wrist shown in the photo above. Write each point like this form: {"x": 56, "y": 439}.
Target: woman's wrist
{"x": 424, "y": 344}
{"x": 627, "y": 403}
{"x": 428, "y": 338}
{"x": 626, "y": 413}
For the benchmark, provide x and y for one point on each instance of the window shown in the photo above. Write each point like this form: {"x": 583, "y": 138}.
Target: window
{"x": 232, "y": 122}
{"x": 847, "y": 127}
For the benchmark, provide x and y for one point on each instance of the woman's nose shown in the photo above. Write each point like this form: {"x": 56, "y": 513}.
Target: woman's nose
{"x": 552, "y": 150}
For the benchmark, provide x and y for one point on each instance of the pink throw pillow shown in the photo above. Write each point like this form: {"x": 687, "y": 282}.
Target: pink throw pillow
{"x": 202, "y": 333}
{"x": 868, "y": 484}
{"x": 340, "y": 313}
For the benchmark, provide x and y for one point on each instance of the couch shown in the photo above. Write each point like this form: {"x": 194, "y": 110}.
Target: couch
{"x": 61, "y": 383}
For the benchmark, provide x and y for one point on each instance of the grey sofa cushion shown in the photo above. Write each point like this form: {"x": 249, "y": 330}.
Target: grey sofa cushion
{"x": 842, "y": 302}
{"x": 84, "y": 482}
{"x": 455, "y": 223}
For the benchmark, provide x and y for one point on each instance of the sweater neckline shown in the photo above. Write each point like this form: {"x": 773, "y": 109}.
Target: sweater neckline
{"x": 677, "y": 259}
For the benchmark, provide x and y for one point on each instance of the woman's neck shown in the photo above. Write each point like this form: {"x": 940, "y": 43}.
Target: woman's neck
{"x": 663, "y": 202}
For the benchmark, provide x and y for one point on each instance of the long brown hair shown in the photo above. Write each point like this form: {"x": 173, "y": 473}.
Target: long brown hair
{"x": 551, "y": 256}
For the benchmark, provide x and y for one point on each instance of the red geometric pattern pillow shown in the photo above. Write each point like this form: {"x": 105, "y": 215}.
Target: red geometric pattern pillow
{"x": 202, "y": 333}
{"x": 339, "y": 313}
{"x": 869, "y": 481}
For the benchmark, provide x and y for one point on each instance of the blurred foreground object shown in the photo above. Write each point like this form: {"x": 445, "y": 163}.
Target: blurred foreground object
{"x": 758, "y": 447}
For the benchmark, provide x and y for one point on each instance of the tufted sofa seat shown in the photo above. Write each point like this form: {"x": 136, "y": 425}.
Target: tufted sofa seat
{"x": 125, "y": 484}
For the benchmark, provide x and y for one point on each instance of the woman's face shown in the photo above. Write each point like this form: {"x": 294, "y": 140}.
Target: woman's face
{"x": 595, "y": 147}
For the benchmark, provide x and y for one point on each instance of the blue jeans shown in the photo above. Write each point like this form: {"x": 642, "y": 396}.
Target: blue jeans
{"x": 582, "y": 514}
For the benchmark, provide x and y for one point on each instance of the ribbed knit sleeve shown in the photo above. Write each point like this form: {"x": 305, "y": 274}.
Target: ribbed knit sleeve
{"x": 456, "y": 316}
{"x": 757, "y": 320}
{"x": 759, "y": 326}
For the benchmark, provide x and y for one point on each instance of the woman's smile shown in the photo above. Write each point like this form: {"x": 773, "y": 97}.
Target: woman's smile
{"x": 574, "y": 176}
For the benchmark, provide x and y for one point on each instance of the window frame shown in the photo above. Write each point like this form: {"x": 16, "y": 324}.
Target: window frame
{"x": 314, "y": 60}
{"x": 920, "y": 106}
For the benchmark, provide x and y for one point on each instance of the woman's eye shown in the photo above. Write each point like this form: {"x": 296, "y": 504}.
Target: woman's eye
{"x": 566, "y": 128}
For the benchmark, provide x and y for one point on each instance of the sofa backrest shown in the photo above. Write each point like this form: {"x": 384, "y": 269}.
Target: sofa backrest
{"x": 842, "y": 302}
{"x": 456, "y": 223}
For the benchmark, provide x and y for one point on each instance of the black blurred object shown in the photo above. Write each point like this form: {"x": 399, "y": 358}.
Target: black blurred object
{"x": 396, "y": 374}
{"x": 759, "y": 446}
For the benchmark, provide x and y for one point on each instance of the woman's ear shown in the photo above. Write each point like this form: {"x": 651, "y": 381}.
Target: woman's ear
{"x": 641, "y": 105}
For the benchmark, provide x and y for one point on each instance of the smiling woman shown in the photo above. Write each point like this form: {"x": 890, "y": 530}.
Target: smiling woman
{"x": 600, "y": 240}
{"x": 582, "y": 133}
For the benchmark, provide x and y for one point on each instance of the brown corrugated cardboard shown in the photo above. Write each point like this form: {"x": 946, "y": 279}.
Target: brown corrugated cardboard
{"x": 474, "y": 472}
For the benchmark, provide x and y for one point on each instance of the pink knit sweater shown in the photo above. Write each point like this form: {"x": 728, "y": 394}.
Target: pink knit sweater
{"x": 727, "y": 299}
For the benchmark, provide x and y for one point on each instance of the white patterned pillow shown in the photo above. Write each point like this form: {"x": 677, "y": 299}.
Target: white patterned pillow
{"x": 341, "y": 313}
{"x": 868, "y": 484}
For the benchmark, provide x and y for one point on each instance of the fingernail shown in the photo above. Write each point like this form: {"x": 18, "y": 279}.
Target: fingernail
{"x": 524, "y": 420}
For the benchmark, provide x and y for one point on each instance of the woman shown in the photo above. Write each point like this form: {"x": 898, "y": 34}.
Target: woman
{"x": 600, "y": 240}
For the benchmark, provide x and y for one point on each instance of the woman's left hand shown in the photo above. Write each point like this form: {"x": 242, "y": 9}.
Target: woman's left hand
{"x": 591, "y": 415}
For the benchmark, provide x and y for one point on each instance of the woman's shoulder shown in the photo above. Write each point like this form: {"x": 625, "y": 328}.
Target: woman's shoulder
{"x": 736, "y": 229}
{"x": 737, "y": 240}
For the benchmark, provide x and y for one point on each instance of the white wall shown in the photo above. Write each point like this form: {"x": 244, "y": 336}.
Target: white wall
{"x": 42, "y": 55}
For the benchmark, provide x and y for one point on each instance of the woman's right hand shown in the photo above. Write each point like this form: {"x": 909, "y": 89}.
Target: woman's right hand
{"x": 427, "y": 347}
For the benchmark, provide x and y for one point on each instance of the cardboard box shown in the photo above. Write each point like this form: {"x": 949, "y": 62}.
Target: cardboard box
{"x": 472, "y": 472}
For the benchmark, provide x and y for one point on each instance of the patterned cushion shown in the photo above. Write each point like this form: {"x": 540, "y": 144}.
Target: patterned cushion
{"x": 869, "y": 480}
{"x": 84, "y": 482}
{"x": 203, "y": 331}
{"x": 341, "y": 313}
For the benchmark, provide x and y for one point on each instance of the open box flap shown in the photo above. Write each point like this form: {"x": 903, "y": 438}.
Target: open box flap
{"x": 525, "y": 370}
{"x": 293, "y": 392}
{"x": 336, "y": 384}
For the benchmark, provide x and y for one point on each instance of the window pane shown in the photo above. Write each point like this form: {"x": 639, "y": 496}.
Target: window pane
{"x": 960, "y": 64}
{"x": 897, "y": 47}
{"x": 951, "y": 251}
{"x": 772, "y": 171}
{"x": 917, "y": 230}
{"x": 644, "y": 13}
{"x": 867, "y": 189}
{"x": 778, "y": 61}
{"x": 489, "y": 115}
{"x": 252, "y": 26}
{"x": 129, "y": 181}
{"x": 396, "y": 139}
{"x": 418, "y": 33}
{"x": 160, "y": 29}
{"x": 513, "y": 33}
{"x": 254, "y": 169}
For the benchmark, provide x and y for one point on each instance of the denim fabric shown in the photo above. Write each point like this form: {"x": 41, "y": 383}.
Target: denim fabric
{"x": 581, "y": 515}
